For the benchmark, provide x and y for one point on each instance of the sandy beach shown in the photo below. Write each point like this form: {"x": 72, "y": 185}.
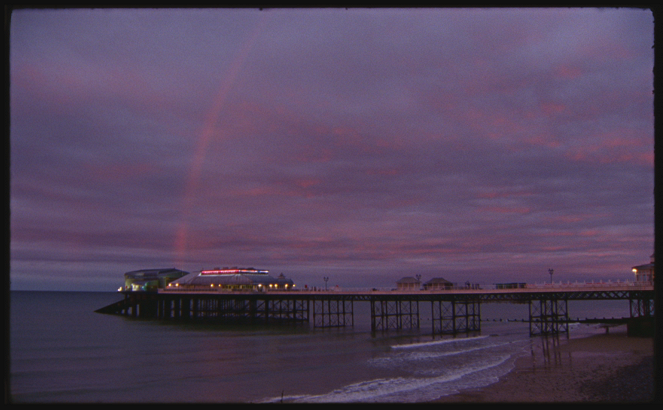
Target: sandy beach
{"x": 608, "y": 368}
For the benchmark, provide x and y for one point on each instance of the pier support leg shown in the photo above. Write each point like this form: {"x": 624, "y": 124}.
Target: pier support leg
{"x": 333, "y": 312}
{"x": 642, "y": 317}
{"x": 641, "y": 307}
{"x": 451, "y": 317}
{"x": 148, "y": 307}
{"x": 409, "y": 313}
{"x": 548, "y": 316}
{"x": 286, "y": 310}
{"x": 186, "y": 308}
{"x": 394, "y": 314}
{"x": 134, "y": 306}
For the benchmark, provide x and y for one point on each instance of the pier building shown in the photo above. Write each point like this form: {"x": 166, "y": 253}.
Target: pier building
{"x": 233, "y": 279}
{"x": 438, "y": 284}
{"x": 645, "y": 273}
{"x": 150, "y": 279}
{"x": 408, "y": 283}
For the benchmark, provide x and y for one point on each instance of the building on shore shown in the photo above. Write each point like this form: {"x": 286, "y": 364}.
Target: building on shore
{"x": 232, "y": 279}
{"x": 146, "y": 280}
{"x": 645, "y": 273}
{"x": 438, "y": 284}
{"x": 408, "y": 283}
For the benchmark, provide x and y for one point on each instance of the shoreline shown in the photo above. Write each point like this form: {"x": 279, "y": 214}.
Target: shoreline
{"x": 601, "y": 368}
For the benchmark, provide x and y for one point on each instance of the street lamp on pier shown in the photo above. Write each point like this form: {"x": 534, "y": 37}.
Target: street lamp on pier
{"x": 550, "y": 271}
{"x": 326, "y": 279}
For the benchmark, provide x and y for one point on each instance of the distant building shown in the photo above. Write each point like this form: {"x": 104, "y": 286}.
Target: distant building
{"x": 645, "y": 273}
{"x": 151, "y": 279}
{"x": 512, "y": 285}
{"x": 233, "y": 279}
{"x": 408, "y": 283}
{"x": 438, "y": 284}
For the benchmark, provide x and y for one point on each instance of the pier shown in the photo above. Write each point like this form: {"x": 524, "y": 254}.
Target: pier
{"x": 455, "y": 310}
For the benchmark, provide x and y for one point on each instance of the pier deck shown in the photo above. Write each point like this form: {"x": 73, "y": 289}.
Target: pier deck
{"x": 453, "y": 310}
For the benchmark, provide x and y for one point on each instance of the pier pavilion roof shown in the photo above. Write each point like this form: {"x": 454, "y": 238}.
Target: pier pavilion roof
{"x": 408, "y": 283}
{"x": 154, "y": 273}
{"x": 437, "y": 283}
{"x": 233, "y": 278}
{"x": 151, "y": 279}
{"x": 647, "y": 266}
{"x": 646, "y": 271}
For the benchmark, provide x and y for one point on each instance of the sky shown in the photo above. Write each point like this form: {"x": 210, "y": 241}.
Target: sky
{"x": 360, "y": 145}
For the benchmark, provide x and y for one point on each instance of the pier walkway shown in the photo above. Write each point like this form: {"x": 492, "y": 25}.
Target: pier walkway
{"x": 453, "y": 310}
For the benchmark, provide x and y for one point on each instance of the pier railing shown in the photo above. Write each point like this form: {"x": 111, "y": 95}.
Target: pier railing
{"x": 455, "y": 288}
{"x": 563, "y": 285}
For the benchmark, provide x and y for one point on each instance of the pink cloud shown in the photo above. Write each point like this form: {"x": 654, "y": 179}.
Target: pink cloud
{"x": 567, "y": 72}
{"x": 503, "y": 194}
{"x": 66, "y": 85}
{"x": 617, "y": 145}
{"x": 118, "y": 172}
{"x": 607, "y": 50}
{"x": 296, "y": 188}
{"x": 265, "y": 191}
{"x": 313, "y": 154}
{"x": 384, "y": 171}
{"x": 306, "y": 183}
{"x": 590, "y": 232}
{"x": 566, "y": 219}
{"x": 548, "y": 141}
{"x": 610, "y": 149}
{"x": 552, "y": 108}
{"x": 559, "y": 233}
{"x": 505, "y": 209}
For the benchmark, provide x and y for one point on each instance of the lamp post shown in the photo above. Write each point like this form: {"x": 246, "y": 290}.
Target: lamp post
{"x": 550, "y": 271}
{"x": 326, "y": 278}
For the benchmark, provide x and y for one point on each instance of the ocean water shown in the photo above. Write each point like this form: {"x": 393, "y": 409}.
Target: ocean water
{"x": 61, "y": 351}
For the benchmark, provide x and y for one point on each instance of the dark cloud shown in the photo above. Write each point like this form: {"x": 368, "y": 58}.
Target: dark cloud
{"x": 480, "y": 145}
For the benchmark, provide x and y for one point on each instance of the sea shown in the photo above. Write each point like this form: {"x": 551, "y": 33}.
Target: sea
{"x": 61, "y": 351}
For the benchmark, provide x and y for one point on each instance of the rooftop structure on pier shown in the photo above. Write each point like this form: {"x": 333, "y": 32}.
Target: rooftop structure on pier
{"x": 408, "y": 283}
{"x": 438, "y": 284}
{"x": 645, "y": 273}
{"x": 233, "y": 279}
{"x": 151, "y": 279}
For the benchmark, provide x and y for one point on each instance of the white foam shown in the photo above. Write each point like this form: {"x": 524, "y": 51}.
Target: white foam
{"x": 437, "y": 342}
{"x": 427, "y": 356}
{"x": 432, "y": 355}
{"x": 402, "y": 389}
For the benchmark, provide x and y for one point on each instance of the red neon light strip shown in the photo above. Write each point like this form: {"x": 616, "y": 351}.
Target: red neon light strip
{"x": 230, "y": 271}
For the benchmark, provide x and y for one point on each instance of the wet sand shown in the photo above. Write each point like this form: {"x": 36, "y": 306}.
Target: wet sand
{"x": 608, "y": 368}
